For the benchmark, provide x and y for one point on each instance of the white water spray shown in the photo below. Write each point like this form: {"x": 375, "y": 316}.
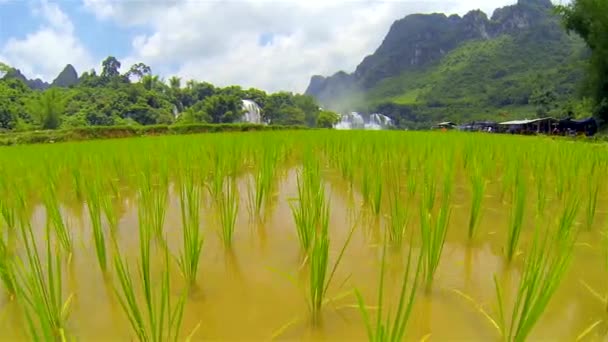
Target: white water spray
{"x": 355, "y": 120}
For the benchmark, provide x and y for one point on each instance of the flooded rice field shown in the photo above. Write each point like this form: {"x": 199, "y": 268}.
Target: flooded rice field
{"x": 293, "y": 236}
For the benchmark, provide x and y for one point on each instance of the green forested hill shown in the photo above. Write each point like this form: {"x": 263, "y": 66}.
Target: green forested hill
{"x": 520, "y": 63}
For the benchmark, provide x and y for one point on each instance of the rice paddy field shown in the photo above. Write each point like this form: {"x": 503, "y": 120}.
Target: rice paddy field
{"x": 308, "y": 235}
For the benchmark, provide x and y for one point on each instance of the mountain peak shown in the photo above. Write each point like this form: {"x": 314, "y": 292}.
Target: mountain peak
{"x": 538, "y": 3}
{"x": 66, "y": 78}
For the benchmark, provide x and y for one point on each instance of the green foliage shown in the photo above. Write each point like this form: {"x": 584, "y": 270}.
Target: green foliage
{"x": 589, "y": 19}
{"x": 48, "y": 108}
{"x": 138, "y": 97}
{"x": 327, "y": 119}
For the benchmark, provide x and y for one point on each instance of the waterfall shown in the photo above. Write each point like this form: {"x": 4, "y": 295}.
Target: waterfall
{"x": 253, "y": 112}
{"x": 355, "y": 120}
{"x": 352, "y": 120}
{"x": 378, "y": 121}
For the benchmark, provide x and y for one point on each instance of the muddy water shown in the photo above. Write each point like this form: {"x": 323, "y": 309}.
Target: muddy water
{"x": 258, "y": 288}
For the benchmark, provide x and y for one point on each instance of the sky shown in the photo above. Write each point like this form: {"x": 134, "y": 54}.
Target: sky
{"x": 271, "y": 45}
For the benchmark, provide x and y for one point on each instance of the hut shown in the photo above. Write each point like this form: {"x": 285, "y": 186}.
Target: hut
{"x": 533, "y": 126}
{"x": 569, "y": 126}
{"x": 445, "y": 125}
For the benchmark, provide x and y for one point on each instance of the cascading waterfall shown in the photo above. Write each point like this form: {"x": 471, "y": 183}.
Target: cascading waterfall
{"x": 253, "y": 112}
{"x": 355, "y": 120}
{"x": 378, "y": 121}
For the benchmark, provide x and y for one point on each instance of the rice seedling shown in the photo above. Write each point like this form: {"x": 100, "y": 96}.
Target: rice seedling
{"x": 399, "y": 209}
{"x": 593, "y": 190}
{"x": 433, "y": 232}
{"x": 386, "y": 327}
{"x": 153, "y": 198}
{"x": 192, "y": 238}
{"x": 40, "y": 290}
{"x": 478, "y": 188}
{"x": 228, "y": 206}
{"x": 308, "y": 212}
{"x": 320, "y": 280}
{"x": 94, "y": 205}
{"x": 7, "y": 212}
{"x": 545, "y": 266}
{"x": 260, "y": 189}
{"x": 7, "y": 274}
{"x": 517, "y": 216}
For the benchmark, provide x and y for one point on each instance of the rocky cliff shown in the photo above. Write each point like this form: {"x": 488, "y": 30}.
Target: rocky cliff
{"x": 420, "y": 40}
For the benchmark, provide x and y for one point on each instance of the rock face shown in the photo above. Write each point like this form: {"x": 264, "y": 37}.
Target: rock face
{"x": 67, "y": 78}
{"x": 422, "y": 39}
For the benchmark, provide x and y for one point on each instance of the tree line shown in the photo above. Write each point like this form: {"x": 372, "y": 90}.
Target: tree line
{"x": 138, "y": 97}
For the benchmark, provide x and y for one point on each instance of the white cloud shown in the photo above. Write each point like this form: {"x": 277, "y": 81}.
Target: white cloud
{"x": 45, "y": 52}
{"x": 218, "y": 41}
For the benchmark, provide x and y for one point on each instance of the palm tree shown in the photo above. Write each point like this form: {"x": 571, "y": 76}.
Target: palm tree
{"x": 175, "y": 82}
{"x": 48, "y": 107}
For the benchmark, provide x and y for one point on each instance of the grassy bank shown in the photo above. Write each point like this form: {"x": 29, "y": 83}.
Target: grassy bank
{"x": 112, "y": 132}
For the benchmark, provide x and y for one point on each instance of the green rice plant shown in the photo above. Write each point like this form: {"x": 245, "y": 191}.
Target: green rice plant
{"x": 7, "y": 212}
{"x": 228, "y": 206}
{"x": 399, "y": 209}
{"x": 433, "y": 232}
{"x": 377, "y": 198}
{"x": 190, "y": 199}
{"x": 7, "y": 274}
{"x": 478, "y": 185}
{"x": 544, "y": 268}
{"x": 319, "y": 259}
{"x": 320, "y": 280}
{"x": 308, "y": 211}
{"x": 540, "y": 176}
{"x": 153, "y": 198}
{"x": 517, "y": 216}
{"x": 388, "y": 328}
{"x": 264, "y": 176}
{"x": 158, "y": 319}
{"x": 40, "y": 289}
{"x": 94, "y": 206}
{"x": 593, "y": 188}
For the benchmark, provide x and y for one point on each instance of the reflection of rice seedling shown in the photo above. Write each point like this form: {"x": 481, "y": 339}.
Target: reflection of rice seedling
{"x": 55, "y": 220}
{"x": 192, "y": 240}
{"x": 40, "y": 290}
{"x": 160, "y": 319}
{"x": 94, "y": 206}
{"x": 386, "y": 327}
{"x": 517, "y": 216}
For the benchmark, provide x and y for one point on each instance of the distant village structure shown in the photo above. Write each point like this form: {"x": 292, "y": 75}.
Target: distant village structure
{"x": 548, "y": 126}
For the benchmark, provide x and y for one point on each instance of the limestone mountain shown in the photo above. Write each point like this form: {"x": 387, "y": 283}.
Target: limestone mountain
{"x": 36, "y": 84}
{"x": 66, "y": 78}
{"x": 432, "y": 66}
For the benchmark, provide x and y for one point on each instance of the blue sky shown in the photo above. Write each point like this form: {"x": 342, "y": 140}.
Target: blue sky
{"x": 272, "y": 45}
